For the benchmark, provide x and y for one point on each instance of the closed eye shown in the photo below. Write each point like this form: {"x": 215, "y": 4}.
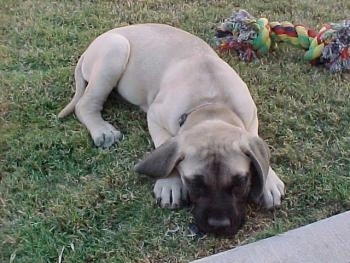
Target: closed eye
{"x": 197, "y": 181}
{"x": 239, "y": 180}
{"x": 238, "y": 183}
{"x": 197, "y": 186}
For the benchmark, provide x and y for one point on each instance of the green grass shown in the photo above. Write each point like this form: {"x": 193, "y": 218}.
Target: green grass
{"x": 59, "y": 195}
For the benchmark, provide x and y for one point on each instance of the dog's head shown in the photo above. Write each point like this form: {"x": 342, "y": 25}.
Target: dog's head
{"x": 222, "y": 167}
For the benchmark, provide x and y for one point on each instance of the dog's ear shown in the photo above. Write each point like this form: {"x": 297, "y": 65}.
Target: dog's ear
{"x": 160, "y": 162}
{"x": 259, "y": 154}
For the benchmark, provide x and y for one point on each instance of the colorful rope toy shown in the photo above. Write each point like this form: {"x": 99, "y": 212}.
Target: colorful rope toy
{"x": 251, "y": 38}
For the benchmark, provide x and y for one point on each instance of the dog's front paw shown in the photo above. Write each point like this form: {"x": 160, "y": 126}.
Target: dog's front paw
{"x": 273, "y": 191}
{"x": 106, "y": 135}
{"x": 170, "y": 192}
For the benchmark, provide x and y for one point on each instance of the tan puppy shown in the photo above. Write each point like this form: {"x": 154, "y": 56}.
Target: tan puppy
{"x": 200, "y": 115}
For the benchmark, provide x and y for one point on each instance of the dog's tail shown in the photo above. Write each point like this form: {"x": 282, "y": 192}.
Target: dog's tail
{"x": 80, "y": 85}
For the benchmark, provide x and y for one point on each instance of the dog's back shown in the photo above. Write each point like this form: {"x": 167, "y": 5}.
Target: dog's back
{"x": 155, "y": 47}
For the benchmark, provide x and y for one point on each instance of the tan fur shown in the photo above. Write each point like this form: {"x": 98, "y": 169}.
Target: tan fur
{"x": 169, "y": 72}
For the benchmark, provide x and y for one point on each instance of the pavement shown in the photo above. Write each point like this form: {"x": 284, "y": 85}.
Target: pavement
{"x": 325, "y": 241}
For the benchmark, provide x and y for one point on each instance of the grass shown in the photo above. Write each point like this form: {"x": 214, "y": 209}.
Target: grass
{"x": 63, "y": 199}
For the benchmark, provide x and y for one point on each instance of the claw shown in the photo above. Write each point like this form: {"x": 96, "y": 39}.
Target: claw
{"x": 169, "y": 192}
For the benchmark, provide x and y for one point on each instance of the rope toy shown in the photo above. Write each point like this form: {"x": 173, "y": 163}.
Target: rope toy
{"x": 251, "y": 38}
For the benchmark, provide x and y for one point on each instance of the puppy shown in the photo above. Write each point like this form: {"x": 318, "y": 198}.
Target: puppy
{"x": 200, "y": 115}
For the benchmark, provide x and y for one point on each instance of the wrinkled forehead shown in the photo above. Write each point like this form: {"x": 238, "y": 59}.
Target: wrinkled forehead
{"x": 214, "y": 160}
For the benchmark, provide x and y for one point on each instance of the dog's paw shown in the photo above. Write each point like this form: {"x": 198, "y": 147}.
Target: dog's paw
{"x": 105, "y": 136}
{"x": 170, "y": 192}
{"x": 273, "y": 191}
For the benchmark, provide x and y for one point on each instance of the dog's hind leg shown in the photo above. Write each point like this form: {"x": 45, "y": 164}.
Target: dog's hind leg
{"x": 103, "y": 65}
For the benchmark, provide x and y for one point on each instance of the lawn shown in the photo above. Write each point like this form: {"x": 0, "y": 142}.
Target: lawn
{"x": 64, "y": 200}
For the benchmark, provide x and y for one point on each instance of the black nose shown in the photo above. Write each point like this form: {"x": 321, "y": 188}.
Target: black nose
{"x": 219, "y": 222}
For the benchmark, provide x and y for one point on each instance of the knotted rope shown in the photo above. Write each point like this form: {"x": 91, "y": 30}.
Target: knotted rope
{"x": 251, "y": 38}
